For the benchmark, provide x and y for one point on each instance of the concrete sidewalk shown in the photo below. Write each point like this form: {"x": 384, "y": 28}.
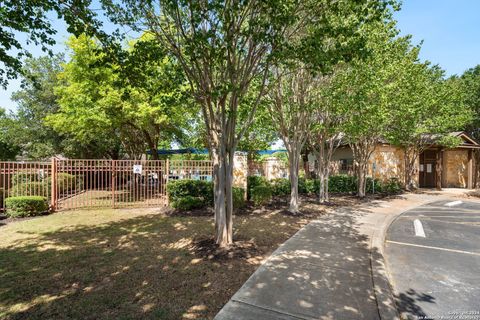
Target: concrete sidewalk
{"x": 333, "y": 268}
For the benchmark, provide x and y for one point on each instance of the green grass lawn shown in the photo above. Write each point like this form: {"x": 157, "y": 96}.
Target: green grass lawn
{"x": 127, "y": 264}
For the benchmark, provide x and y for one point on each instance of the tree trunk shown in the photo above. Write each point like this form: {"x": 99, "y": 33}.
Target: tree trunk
{"x": 223, "y": 177}
{"x": 361, "y": 183}
{"x": 294, "y": 157}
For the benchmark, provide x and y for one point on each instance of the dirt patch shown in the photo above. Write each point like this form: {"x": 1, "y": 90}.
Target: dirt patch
{"x": 206, "y": 248}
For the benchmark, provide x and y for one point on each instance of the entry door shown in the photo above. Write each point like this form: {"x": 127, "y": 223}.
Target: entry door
{"x": 427, "y": 172}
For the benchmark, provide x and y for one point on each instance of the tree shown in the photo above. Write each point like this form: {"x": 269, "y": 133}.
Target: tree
{"x": 426, "y": 109}
{"x": 291, "y": 99}
{"x": 8, "y": 150}
{"x": 134, "y": 101}
{"x": 362, "y": 91}
{"x": 470, "y": 82}
{"x": 31, "y": 18}
{"x": 325, "y": 134}
{"x": 223, "y": 46}
{"x": 35, "y": 101}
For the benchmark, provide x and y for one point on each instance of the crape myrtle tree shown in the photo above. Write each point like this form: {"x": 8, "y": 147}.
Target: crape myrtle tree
{"x": 290, "y": 103}
{"x": 223, "y": 46}
{"x": 426, "y": 109}
{"x": 295, "y": 85}
{"x": 325, "y": 134}
{"x": 360, "y": 89}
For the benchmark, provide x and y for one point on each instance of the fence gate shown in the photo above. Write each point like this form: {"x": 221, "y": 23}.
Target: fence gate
{"x": 108, "y": 183}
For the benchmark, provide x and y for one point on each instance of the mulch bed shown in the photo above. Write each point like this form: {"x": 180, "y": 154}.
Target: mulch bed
{"x": 206, "y": 248}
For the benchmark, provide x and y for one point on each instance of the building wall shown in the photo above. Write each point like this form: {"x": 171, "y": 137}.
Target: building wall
{"x": 389, "y": 161}
{"x": 456, "y": 168}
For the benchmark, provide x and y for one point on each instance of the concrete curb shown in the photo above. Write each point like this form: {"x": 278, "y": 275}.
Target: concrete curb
{"x": 382, "y": 289}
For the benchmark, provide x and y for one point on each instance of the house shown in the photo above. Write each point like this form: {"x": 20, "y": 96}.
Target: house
{"x": 456, "y": 165}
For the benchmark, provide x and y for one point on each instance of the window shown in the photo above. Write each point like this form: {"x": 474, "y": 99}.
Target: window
{"x": 346, "y": 164}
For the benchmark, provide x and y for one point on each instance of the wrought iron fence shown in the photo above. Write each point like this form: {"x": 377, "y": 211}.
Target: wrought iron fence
{"x": 87, "y": 183}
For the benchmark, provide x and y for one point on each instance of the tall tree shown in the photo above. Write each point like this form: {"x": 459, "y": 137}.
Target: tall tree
{"x": 291, "y": 99}
{"x": 325, "y": 134}
{"x": 426, "y": 109}
{"x": 32, "y": 18}
{"x": 361, "y": 90}
{"x": 471, "y": 87}
{"x": 35, "y": 101}
{"x": 223, "y": 46}
{"x": 8, "y": 150}
{"x": 135, "y": 101}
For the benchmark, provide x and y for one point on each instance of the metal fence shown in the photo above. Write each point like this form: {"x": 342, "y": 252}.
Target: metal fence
{"x": 78, "y": 183}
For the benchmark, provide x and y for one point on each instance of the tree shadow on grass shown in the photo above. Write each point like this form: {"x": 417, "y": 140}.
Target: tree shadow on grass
{"x": 138, "y": 268}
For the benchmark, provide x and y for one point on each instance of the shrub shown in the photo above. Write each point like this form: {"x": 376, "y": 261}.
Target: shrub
{"x": 261, "y": 195}
{"x": 392, "y": 186}
{"x": 200, "y": 189}
{"x": 238, "y": 197}
{"x": 34, "y": 188}
{"x": 369, "y": 185}
{"x": 280, "y": 187}
{"x": 188, "y": 203}
{"x": 24, "y": 177}
{"x": 68, "y": 182}
{"x": 254, "y": 181}
{"x": 342, "y": 183}
{"x": 26, "y": 206}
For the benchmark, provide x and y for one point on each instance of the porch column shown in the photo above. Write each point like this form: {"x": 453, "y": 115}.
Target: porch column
{"x": 470, "y": 170}
{"x": 439, "y": 169}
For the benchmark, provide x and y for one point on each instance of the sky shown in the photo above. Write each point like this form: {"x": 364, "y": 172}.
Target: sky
{"x": 449, "y": 29}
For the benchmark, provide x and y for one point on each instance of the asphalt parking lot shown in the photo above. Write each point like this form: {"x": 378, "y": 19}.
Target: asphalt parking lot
{"x": 435, "y": 266}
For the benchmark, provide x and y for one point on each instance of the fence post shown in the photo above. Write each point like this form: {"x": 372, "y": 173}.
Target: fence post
{"x": 113, "y": 182}
{"x": 53, "y": 203}
{"x": 167, "y": 172}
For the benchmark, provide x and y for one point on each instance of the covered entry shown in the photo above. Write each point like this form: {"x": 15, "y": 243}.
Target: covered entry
{"x": 448, "y": 168}
{"x": 427, "y": 169}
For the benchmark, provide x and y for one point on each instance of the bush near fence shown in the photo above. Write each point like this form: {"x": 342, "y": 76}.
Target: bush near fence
{"x": 26, "y": 206}
{"x": 27, "y": 184}
{"x": 196, "y": 194}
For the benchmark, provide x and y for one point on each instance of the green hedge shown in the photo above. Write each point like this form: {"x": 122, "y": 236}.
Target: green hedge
{"x": 26, "y": 206}
{"x": 33, "y": 188}
{"x": 196, "y": 194}
{"x": 24, "y": 177}
{"x": 181, "y": 194}
{"x": 68, "y": 182}
{"x": 188, "y": 203}
{"x": 261, "y": 195}
{"x": 27, "y": 184}
{"x": 238, "y": 197}
{"x": 336, "y": 184}
{"x": 254, "y": 181}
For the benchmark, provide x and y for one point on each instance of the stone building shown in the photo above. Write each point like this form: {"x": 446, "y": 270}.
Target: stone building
{"x": 456, "y": 165}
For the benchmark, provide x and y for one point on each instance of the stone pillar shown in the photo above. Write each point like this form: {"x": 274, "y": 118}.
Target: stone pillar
{"x": 470, "y": 170}
{"x": 240, "y": 171}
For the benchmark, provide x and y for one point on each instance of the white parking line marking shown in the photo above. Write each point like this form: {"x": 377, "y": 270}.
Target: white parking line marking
{"x": 435, "y": 248}
{"x": 417, "y": 224}
{"x": 453, "y": 203}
